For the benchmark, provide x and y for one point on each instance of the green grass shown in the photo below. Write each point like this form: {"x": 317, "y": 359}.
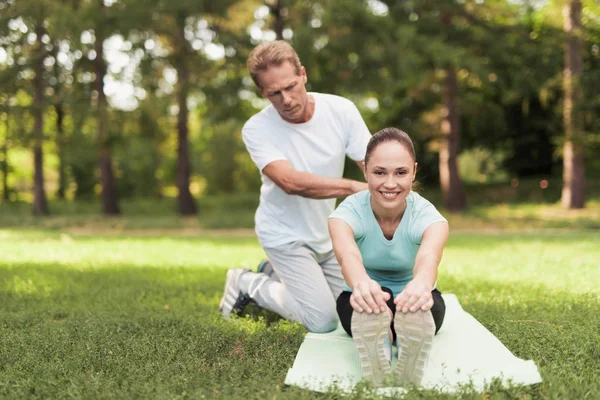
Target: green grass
{"x": 126, "y": 313}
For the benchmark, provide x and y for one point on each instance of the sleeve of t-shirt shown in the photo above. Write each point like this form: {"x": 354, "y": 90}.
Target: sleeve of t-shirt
{"x": 261, "y": 146}
{"x": 358, "y": 133}
{"x": 349, "y": 211}
{"x": 425, "y": 215}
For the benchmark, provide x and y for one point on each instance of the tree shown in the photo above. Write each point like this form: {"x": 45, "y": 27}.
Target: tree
{"x": 40, "y": 204}
{"x": 452, "y": 189}
{"x": 31, "y": 17}
{"x": 277, "y": 9}
{"x": 110, "y": 202}
{"x": 573, "y": 190}
{"x": 35, "y": 23}
{"x": 4, "y": 167}
{"x": 181, "y": 56}
{"x": 177, "y": 26}
{"x": 59, "y": 109}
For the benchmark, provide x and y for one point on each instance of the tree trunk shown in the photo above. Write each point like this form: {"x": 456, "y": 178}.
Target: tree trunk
{"x": 110, "y": 202}
{"x": 277, "y": 10}
{"x": 60, "y": 144}
{"x": 40, "y": 205}
{"x": 452, "y": 188}
{"x": 573, "y": 190}
{"x": 187, "y": 206}
{"x": 4, "y": 154}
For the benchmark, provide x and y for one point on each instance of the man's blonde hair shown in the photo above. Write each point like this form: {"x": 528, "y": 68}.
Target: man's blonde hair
{"x": 271, "y": 53}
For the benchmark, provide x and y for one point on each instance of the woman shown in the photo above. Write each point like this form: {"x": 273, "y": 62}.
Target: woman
{"x": 389, "y": 241}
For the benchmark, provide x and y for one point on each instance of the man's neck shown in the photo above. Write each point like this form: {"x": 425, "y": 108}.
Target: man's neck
{"x": 309, "y": 111}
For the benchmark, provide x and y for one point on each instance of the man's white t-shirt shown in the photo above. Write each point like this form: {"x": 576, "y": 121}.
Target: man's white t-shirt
{"x": 319, "y": 146}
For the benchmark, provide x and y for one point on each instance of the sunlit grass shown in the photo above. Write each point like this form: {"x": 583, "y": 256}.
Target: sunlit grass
{"x": 85, "y": 252}
{"x": 531, "y": 216}
{"x": 135, "y": 316}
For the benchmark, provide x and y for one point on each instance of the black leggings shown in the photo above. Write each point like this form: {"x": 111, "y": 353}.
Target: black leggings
{"x": 344, "y": 309}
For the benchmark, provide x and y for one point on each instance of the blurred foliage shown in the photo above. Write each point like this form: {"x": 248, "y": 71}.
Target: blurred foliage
{"x": 387, "y": 56}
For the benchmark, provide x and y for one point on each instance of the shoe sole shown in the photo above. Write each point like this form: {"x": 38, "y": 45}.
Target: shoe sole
{"x": 414, "y": 332}
{"x": 230, "y": 295}
{"x": 369, "y": 332}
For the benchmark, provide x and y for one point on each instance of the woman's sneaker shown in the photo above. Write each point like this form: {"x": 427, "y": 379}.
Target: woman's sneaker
{"x": 233, "y": 300}
{"x": 414, "y": 333}
{"x": 371, "y": 334}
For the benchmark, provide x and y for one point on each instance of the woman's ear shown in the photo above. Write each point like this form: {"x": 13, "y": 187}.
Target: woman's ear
{"x": 415, "y": 173}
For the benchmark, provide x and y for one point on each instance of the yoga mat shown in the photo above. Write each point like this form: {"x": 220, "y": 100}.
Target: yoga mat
{"x": 464, "y": 352}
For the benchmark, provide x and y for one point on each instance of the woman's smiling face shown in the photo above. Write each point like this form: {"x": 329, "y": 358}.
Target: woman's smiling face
{"x": 390, "y": 173}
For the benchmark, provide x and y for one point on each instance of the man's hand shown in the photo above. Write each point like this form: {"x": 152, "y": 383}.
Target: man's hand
{"x": 367, "y": 296}
{"x": 416, "y": 295}
{"x": 359, "y": 186}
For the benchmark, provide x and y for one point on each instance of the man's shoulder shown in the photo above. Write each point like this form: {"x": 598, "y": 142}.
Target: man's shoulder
{"x": 262, "y": 120}
{"x": 333, "y": 100}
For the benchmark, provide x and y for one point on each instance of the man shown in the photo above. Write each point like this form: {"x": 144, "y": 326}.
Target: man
{"x": 299, "y": 144}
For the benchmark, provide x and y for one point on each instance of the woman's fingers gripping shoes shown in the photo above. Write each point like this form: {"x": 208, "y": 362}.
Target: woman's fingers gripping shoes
{"x": 367, "y": 296}
{"x": 415, "y": 296}
{"x": 424, "y": 303}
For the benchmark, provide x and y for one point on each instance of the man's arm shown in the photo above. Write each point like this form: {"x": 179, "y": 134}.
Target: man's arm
{"x": 310, "y": 185}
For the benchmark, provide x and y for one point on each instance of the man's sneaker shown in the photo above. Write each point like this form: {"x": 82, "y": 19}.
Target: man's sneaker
{"x": 371, "y": 333}
{"x": 414, "y": 332}
{"x": 265, "y": 267}
{"x": 233, "y": 300}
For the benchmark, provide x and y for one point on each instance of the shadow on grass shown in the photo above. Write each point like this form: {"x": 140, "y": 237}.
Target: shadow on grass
{"x": 127, "y": 332}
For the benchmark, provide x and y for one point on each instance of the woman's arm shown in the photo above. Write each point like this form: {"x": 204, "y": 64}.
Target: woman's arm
{"x": 417, "y": 294}
{"x": 366, "y": 293}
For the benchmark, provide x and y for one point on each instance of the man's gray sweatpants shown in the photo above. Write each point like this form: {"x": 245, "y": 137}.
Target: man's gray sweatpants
{"x": 305, "y": 289}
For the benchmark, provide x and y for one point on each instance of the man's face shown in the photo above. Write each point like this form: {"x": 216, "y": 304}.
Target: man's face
{"x": 285, "y": 89}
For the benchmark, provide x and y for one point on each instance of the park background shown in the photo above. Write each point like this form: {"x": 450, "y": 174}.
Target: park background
{"x": 126, "y": 191}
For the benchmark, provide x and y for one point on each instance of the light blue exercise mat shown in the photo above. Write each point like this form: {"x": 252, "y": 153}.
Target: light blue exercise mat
{"x": 464, "y": 352}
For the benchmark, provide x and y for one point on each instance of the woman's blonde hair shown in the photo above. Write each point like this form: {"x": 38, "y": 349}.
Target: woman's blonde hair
{"x": 271, "y": 53}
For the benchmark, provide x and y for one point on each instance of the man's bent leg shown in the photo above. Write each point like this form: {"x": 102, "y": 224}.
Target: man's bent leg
{"x": 303, "y": 295}
{"x": 265, "y": 267}
{"x": 333, "y": 273}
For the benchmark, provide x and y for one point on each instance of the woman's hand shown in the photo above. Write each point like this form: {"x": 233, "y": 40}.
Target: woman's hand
{"x": 416, "y": 295}
{"x": 367, "y": 296}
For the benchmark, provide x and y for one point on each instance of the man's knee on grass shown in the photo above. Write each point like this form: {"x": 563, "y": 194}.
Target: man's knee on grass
{"x": 323, "y": 322}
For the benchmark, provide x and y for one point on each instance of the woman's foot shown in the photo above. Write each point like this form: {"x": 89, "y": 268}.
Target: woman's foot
{"x": 372, "y": 338}
{"x": 414, "y": 332}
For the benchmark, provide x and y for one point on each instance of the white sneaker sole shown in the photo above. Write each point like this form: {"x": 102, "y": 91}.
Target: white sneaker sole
{"x": 414, "y": 333}
{"x": 369, "y": 332}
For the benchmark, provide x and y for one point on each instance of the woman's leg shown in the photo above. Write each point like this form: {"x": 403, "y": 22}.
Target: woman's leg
{"x": 415, "y": 336}
{"x": 438, "y": 311}
{"x": 344, "y": 310}
{"x": 371, "y": 334}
